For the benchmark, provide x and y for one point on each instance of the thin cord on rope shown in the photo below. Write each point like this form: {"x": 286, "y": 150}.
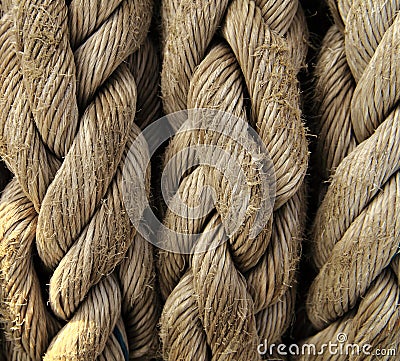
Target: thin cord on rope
{"x": 233, "y": 56}
{"x": 356, "y": 232}
{"x": 69, "y": 99}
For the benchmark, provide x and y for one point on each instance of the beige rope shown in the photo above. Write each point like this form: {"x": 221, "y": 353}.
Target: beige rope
{"x": 140, "y": 305}
{"x": 221, "y": 303}
{"x": 20, "y": 292}
{"x": 356, "y": 230}
{"x": 69, "y": 104}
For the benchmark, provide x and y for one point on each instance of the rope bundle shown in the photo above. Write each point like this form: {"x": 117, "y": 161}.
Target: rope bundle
{"x": 356, "y": 230}
{"x": 68, "y": 96}
{"x": 229, "y": 56}
{"x": 78, "y": 83}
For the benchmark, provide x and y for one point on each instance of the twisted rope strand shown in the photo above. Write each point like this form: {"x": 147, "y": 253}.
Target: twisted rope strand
{"x": 356, "y": 229}
{"x": 20, "y": 289}
{"x": 222, "y": 302}
{"x": 93, "y": 125}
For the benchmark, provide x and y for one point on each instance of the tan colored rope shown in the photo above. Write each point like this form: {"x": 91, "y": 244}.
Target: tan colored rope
{"x": 356, "y": 230}
{"x": 20, "y": 292}
{"x": 140, "y": 304}
{"x": 221, "y": 303}
{"x": 69, "y": 102}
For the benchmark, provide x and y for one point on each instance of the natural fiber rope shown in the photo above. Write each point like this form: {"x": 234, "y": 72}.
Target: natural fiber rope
{"x": 140, "y": 306}
{"x": 221, "y": 303}
{"x": 78, "y": 106}
{"x": 356, "y": 231}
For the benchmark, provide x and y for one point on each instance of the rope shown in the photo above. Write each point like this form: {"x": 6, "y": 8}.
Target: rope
{"x": 69, "y": 101}
{"x": 220, "y": 55}
{"x": 78, "y": 82}
{"x": 356, "y": 230}
{"x": 140, "y": 306}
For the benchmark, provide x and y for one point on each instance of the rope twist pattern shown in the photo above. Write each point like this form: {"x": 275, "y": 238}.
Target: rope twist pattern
{"x": 356, "y": 230}
{"x": 69, "y": 98}
{"x": 221, "y": 55}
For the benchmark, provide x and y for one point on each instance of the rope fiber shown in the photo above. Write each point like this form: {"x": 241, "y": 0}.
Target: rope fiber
{"x": 355, "y": 236}
{"x": 233, "y": 56}
{"x": 68, "y": 90}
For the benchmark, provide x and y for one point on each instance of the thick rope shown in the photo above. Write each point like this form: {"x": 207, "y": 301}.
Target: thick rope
{"x": 69, "y": 104}
{"x": 356, "y": 231}
{"x": 21, "y": 299}
{"x": 222, "y": 303}
{"x": 140, "y": 306}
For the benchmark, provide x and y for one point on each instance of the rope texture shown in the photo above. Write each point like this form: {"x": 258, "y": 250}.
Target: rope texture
{"x": 232, "y": 56}
{"x": 69, "y": 98}
{"x": 356, "y": 232}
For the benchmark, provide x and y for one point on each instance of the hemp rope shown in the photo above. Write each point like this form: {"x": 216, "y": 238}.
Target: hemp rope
{"x": 67, "y": 93}
{"x": 222, "y": 303}
{"x": 357, "y": 227}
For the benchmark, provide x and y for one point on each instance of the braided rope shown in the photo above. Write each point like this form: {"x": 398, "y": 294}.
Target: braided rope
{"x": 356, "y": 230}
{"x": 221, "y": 303}
{"x": 69, "y": 104}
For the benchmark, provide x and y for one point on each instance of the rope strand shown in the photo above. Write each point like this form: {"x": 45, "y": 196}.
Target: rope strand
{"x": 69, "y": 101}
{"x": 355, "y": 233}
{"x": 221, "y": 303}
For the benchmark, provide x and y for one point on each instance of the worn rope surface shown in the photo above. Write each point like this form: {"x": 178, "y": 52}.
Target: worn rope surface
{"x": 68, "y": 100}
{"x": 356, "y": 231}
{"x": 229, "y": 56}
